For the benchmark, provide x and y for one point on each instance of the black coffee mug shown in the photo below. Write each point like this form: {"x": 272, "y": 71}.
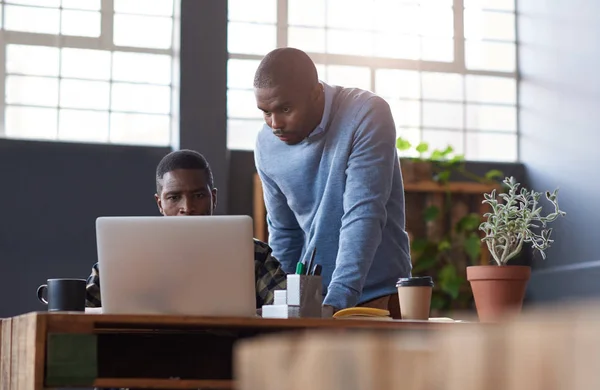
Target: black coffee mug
{"x": 63, "y": 294}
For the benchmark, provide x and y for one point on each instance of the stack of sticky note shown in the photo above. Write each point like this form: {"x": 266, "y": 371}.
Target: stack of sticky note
{"x": 280, "y": 307}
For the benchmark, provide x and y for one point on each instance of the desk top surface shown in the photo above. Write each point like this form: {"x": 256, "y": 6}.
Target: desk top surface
{"x": 66, "y": 321}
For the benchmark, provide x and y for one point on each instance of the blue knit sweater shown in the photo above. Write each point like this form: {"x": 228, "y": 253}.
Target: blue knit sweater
{"x": 340, "y": 190}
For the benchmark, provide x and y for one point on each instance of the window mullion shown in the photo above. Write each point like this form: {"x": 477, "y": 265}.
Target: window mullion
{"x": 282, "y": 23}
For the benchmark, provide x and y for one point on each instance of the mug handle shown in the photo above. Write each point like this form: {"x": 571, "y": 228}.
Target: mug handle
{"x": 40, "y": 293}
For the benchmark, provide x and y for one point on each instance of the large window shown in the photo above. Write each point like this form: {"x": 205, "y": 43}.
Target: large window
{"x": 87, "y": 70}
{"x": 447, "y": 68}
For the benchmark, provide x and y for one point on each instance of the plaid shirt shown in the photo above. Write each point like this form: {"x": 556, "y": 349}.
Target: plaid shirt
{"x": 268, "y": 272}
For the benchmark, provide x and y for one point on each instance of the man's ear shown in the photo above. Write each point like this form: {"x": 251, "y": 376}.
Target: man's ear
{"x": 214, "y": 199}
{"x": 159, "y": 204}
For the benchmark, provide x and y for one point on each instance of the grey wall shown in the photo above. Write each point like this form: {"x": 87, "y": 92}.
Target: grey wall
{"x": 559, "y": 58}
{"x": 51, "y": 194}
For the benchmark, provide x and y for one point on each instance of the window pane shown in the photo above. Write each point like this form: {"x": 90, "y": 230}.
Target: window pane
{"x": 143, "y": 31}
{"x": 444, "y": 115}
{"x": 482, "y": 117}
{"x": 441, "y": 139}
{"x": 350, "y": 14}
{"x": 144, "y": 7}
{"x": 406, "y": 113}
{"x": 140, "y": 129}
{"x": 442, "y": 86}
{"x": 321, "y": 72}
{"x": 241, "y": 134}
{"x": 39, "y": 3}
{"x": 92, "y": 5}
{"x": 85, "y": 64}
{"x": 80, "y": 23}
{"x": 489, "y": 89}
{"x": 349, "y": 76}
{"x": 242, "y": 104}
{"x": 392, "y": 45}
{"x": 306, "y": 13}
{"x": 141, "y": 67}
{"x": 357, "y": 43}
{"x": 395, "y": 83}
{"x": 255, "y": 11}
{"x": 251, "y": 38}
{"x": 413, "y": 136}
{"x": 84, "y": 94}
{"x": 240, "y": 73}
{"x": 508, "y": 5}
{"x": 397, "y": 17}
{"x": 307, "y": 39}
{"x": 32, "y": 60}
{"x": 489, "y": 25}
{"x": 30, "y": 122}
{"x": 490, "y": 56}
{"x": 436, "y": 22}
{"x": 491, "y": 147}
{"x": 141, "y": 98}
{"x": 30, "y": 19}
{"x": 37, "y": 91}
{"x": 437, "y": 49}
{"x": 78, "y": 125}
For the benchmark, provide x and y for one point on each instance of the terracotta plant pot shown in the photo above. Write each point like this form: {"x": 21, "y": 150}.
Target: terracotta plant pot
{"x": 498, "y": 291}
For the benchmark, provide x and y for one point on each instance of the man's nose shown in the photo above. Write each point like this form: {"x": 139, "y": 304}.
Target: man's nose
{"x": 276, "y": 122}
{"x": 187, "y": 206}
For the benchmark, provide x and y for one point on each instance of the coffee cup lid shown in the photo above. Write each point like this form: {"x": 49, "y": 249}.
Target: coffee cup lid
{"x": 419, "y": 281}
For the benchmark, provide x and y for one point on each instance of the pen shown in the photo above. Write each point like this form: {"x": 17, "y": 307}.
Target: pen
{"x": 317, "y": 270}
{"x": 300, "y": 268}
{"x": 311, "y": 261}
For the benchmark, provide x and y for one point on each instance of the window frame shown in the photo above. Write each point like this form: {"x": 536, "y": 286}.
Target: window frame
{"x": 457, "y": 66}
{"x": 104, "y": 42}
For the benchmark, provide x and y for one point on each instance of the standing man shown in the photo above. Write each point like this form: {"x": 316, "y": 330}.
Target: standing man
{"x": 331, "y": 180}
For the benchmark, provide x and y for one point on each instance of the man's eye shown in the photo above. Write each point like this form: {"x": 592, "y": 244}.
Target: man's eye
{"x": 173, "y": 197}
{"x": 266, "y": 113}
{"x": 286, "y": 110}
{"x": 200, "y": 195}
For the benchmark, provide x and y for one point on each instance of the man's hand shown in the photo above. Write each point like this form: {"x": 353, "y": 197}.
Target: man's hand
{"x": 327, "y": 311}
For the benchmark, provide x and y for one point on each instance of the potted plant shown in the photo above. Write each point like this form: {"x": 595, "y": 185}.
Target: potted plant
{"x": 516, "y": 220}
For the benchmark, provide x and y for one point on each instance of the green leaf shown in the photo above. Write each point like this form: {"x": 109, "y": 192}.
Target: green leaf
{"x": 436, "y": 155}
{"x": 402, "y": 144}
{"x": 437, "y": 302}
{"x": 494, "y": 174}
{"x": 468, "y": 223}
{"x": 449, "y": 281}
{"x": 444, "y": 245}
{"x": 424, "y": 263}
{"x": 420, "y": 244}
{"x": 431, "y": 213}
{"x": 457, "y": 158}
{"x": 449, "y": 149}
{"x": 422, "y": 147}
{"x": 472, "y": 246}
{"x": 443, "y": 176}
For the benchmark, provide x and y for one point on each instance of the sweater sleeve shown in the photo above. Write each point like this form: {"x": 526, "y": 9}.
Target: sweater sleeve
{"x": 286, "y": 238}
{"x": 369, "y": 175}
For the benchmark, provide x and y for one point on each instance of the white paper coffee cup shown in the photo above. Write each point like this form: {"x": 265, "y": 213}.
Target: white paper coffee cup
{"x": 415, "y": 297}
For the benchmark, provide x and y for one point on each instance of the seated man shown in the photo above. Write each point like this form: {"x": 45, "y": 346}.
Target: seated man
{"x": 184, "y": 185}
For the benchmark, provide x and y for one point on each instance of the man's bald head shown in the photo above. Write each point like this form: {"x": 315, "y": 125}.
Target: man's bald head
{"x": 286, "y": 66}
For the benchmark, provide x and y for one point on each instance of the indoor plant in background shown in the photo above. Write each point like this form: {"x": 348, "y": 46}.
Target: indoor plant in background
{"x": 513, "y": 221}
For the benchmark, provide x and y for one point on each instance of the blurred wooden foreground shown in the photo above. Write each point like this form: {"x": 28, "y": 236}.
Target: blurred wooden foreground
{"x": 549, "y": 349}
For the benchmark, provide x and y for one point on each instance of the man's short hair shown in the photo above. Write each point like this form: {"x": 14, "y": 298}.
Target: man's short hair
{"x": 286, "y": 65}
{"x": 183, "y": 159}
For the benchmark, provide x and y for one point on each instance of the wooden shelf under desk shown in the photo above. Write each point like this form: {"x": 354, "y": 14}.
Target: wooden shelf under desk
{"x": 46, "y": 350}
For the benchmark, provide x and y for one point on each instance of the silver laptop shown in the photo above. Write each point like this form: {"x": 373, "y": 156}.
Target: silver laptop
{"x": 192, "y": 265}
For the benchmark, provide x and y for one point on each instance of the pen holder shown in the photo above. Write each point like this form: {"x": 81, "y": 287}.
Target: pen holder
{"x": 303, "y": 298}
{"x": 305, "y": 292}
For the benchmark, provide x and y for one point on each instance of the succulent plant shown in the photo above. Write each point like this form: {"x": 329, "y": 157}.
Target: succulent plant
{"x": 516, "y": 220}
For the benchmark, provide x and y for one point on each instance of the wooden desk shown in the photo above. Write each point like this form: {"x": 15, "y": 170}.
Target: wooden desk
{"x": 44, "y": 350}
